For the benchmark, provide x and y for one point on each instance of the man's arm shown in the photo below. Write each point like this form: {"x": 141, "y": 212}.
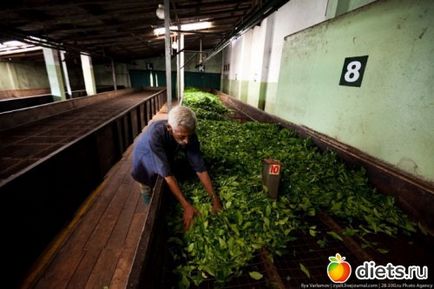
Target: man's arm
{"x": 189, "y": 210}
{"x": 206, "y": 182}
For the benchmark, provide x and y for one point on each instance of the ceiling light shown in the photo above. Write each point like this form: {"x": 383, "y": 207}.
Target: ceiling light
{"x": 160, "y": 11}
{"x": 175, "y": 45}
{"x": 196, "y": 26}
{"x": 185, "y": 27}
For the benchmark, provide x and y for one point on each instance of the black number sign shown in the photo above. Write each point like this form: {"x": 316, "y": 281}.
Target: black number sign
{"x": 352, "y": 72}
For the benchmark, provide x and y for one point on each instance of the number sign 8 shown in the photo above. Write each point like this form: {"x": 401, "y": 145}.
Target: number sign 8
{"x": 352, "y": 72}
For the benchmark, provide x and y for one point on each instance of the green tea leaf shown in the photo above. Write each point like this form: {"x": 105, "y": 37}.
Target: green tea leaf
{"x": 382, "y": 251}
{"x": 256, "y": 275}
{"x": 335, "y": 235}
{"x": 304, "y": 269}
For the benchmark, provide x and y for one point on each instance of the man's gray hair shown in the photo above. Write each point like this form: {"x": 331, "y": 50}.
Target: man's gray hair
{"x": 182, "y": 116}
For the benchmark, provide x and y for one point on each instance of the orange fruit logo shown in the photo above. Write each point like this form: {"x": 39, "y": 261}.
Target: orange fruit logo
{"x": 338, "y": 269}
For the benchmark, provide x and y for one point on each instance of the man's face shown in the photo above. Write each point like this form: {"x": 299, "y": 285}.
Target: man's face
{"x": 180, "y": 134}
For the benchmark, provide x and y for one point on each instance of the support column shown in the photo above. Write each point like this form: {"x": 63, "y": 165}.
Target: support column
{"x": 167, "y": 49}
{"x": 54, "y": 71}
{"x": 89, "y": 79}
{"x": 181, "y": 65}
{"x": 266, "y": 59}
{"x": 65, "y": 74}
{"x": 115, "y": 85}
{"x": 178, "y": 66}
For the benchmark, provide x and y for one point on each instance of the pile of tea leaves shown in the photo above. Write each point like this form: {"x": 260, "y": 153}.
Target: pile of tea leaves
{"x": 218, "y": 246}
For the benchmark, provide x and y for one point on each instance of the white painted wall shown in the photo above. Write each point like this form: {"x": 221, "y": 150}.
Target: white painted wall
{"x": 294, "y": 16}
{"x": 255, "y": 62}
{"x": 256, "y": 56}
{"x": 236, "y": 65}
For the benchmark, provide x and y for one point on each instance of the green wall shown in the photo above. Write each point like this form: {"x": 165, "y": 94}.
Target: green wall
{"x": 104, "y": 74}
{"x": 391, "y": 116}
{"x": 23, "y": 75}
{"x": 270, "y": 97}
{"x": 339, "y": 7}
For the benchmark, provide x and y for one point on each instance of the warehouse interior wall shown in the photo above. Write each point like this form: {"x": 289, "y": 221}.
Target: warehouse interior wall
{"x": 255, "y": 80}
{"x": 104, "y": 74}
{"x": 251, "y": 64}
{"x": 23, "y": 75}
{"x": 151, "y": 72}
{"x": 31, "y": 76}
{"x": 191, "y": 60}
{"x": 339, "y": 7}
{"x": 390, "y": 115}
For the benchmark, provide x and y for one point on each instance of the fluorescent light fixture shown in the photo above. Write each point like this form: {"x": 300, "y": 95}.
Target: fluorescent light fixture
{"x": 14, "y": 43}
{"x": 14, "y": 46}
{"x": 185, "y": 27}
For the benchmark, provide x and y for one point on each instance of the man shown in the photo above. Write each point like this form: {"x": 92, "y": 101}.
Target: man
{"x": 155, "y": 151}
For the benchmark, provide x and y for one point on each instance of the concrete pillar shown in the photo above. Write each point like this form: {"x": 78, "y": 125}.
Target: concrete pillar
{"x": 115, "y": 85}
{"x": 178, "y": 66}
{"x": 65, "y": 73}
{"x": 181, "y": 65}
{"x": 54, "y": 71}
{"x": 266, "y": 60}
{"x": 167, "y": 53}
{"x": 89, "y": 79}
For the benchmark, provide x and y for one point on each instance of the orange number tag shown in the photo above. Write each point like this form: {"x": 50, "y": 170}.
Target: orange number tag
{"x": 274, "y": 170}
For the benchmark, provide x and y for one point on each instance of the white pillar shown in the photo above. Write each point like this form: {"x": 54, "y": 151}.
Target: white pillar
{"x": 178, "y": 66}
{"x": 167, "y": 50}
{"x": 181, "y": 65}
{"x": 89, "y": 79}
{"x": 115, "y": 85}
{"x": 54, "y": 71}
{"x": 65, "y": 73}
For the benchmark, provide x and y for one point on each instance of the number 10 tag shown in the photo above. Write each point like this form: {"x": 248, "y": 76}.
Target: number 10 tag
{"x": 274, "y": 169}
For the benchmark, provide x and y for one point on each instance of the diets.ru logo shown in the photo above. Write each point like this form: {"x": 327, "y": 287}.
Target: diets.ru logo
{"x": 338, "y": 269}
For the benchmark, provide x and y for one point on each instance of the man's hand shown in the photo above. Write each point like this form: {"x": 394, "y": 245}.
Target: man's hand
{"x": 206, "y": 182}
{"x": 216, "y": 205}
{"x": 189, "y": 213}
{"x": 189, "y": 210}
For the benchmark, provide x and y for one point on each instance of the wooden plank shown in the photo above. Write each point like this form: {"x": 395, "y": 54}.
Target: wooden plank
{"x": 69, "y": 256}
{"x": 98, "y": 241}
{"x": 126, "y": 258}
{"x": 105, "y": 266}
{"x": 271, "y": 270}
{"x": 348, "y": 241}
{"x": 106, "y": 242}
{"x": 15, "y": 119}
{"x": 141, "y": 117}
{"x": 119, "y": 134}
{"x": 134, "y": 122}
{"x": 83, "y": 272}
{"x": 139, "y": 264}
{"x": 47, "y": 257}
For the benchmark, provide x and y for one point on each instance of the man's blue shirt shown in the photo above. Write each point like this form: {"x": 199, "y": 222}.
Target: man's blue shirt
{"x": 155, "y": 150}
